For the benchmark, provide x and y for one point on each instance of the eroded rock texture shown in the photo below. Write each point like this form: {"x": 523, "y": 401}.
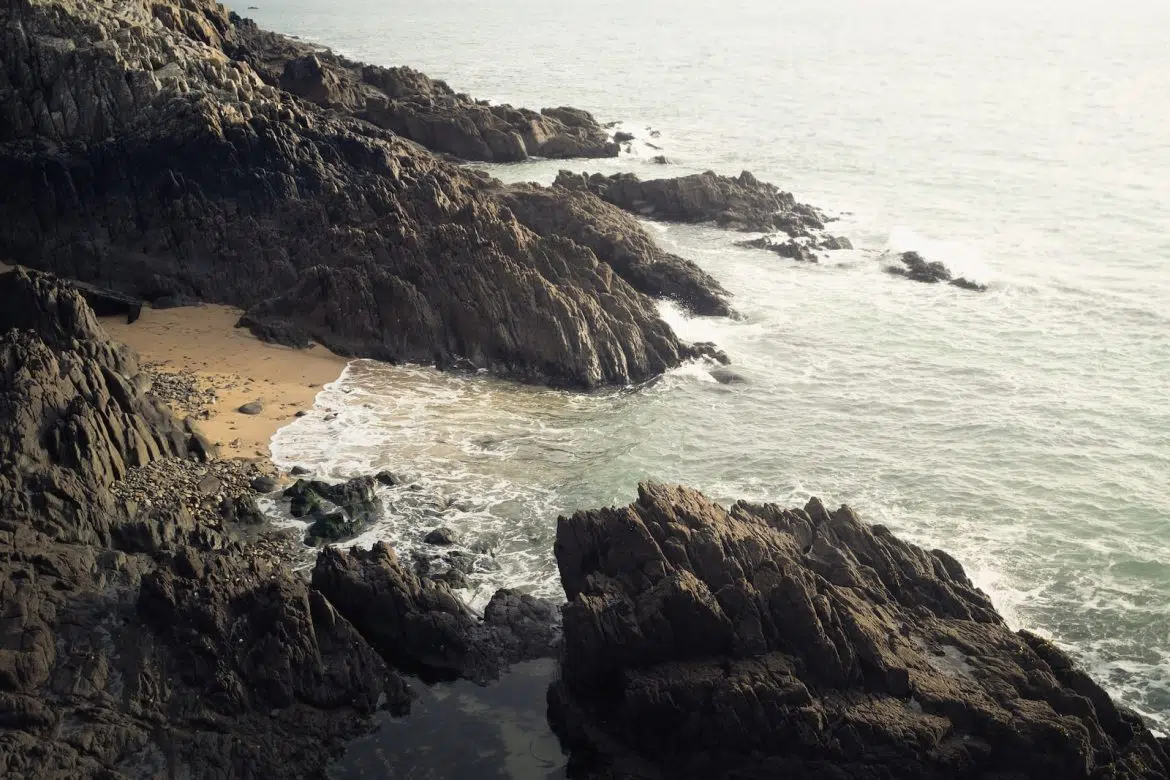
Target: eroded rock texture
{"x": 735, "y": 202}
{"x": 762, "y": 642}
{"x": 174, "y": 152}
{"x": 140, "y": 640}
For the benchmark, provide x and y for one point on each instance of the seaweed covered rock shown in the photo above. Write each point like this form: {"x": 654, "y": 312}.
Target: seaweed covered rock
{"x": 735, "y": 202}
{"x": 763, "y": 642}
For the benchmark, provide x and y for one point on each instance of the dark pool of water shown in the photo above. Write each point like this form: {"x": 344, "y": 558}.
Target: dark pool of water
{"x": 462, "y": 731}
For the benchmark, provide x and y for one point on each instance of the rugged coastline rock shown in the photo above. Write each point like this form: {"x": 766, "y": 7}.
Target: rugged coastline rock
{"x": 156, "y": 148}
{"x": 141, "y": 636}
{"x": 791, "y": 249}
{"x": 763, "y": 642}
{"x": 618, "y": 240}
{"x": 737, "y": 203}
{"x": 917, "y": 268}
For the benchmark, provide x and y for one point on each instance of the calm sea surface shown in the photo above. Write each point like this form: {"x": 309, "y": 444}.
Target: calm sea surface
{"x": 1026, "y": 430}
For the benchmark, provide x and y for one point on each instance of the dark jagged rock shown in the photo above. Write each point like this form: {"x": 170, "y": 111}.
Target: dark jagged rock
{"x": 763, "y": 642}
{"x": 441, "y": 537}
{"x": 792, "y": 249}
{"x": 738, "y": 203}
{"x": 618, "y": 240}
{"x": 916, "y": 267}
{"x": 138, "y": 642}
{"x": 419, "y": 624}
{"x": 107, "y": 303}
{"x": 265, "y": 484}
{"x": 167, "y": 130}
{"x": 834, "y": 243}
{"x": 417, "y": 107}
{"x": 242, "y": 510}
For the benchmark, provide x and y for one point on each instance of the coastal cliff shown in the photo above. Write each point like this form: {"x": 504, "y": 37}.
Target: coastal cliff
{"x": 176, "y": 153}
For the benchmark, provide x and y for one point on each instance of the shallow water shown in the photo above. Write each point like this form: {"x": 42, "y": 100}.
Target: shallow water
{"x": 1025, "y": 430}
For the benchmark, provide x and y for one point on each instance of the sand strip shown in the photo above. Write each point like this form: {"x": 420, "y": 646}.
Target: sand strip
{"x": 230, "y": 367}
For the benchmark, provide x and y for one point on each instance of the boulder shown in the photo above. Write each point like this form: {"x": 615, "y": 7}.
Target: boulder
{"x": 442, "y": 537}
{"x": 802, "y": 643}
{"x": 737, "y": 203}
{"x": 725, "y": 376}
{"x": 252, "y": 408}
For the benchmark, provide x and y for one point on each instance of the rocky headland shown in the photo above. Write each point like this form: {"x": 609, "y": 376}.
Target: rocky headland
{"x": 173, "y": 152}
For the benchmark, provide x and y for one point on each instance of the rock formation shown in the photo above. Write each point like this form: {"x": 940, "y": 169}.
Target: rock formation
{"x": 916, "y": 267}
{"x": 763, "y": 642}
{"x": 138, "y": 639}
{"x": 736, "y": 203}
{"x": 791, "y": 249}
{"x": 174, "y": 152}
{"x": 617, "y": 240}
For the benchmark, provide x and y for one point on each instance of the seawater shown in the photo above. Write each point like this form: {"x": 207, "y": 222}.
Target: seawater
{"x": 1025, "y": 430}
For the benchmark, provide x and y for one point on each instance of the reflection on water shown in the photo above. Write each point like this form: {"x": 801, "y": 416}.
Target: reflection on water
{"x": 462, "y": 731}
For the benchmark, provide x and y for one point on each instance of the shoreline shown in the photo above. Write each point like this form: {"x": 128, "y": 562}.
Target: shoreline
{"x": 205, "y": 367}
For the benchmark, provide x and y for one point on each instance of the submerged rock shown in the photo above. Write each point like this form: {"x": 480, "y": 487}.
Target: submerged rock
{"x": 738, "y": 203}
{"x": 725, "y": 376}
{"x": 765, "y": 642}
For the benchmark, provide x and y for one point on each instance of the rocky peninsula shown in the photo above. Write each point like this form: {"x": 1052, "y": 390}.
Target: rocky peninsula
{"x": 171, "y": 152}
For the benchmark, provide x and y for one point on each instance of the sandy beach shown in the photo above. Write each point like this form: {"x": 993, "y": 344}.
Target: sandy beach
{"x": 230, "y": 367}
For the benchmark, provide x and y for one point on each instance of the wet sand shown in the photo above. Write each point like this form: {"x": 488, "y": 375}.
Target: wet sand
{"x": 230, "y": 368}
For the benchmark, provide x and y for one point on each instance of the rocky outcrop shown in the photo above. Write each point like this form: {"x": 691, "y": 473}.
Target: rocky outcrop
{"x": 139, "y": 637}
{"x": 422, "y": 626}
{"x": 620, "y": 242}
{"x": 763, "y": 642}
{"x": 737, "y": 203}
{"x": 791, "y": 248}
{"x": 917, "y": 268}
{"x": 414, "y": 106}
{"x": 156, "y": 148}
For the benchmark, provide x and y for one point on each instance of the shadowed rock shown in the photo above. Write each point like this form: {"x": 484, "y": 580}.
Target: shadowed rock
{"x": 763, "y": 642}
